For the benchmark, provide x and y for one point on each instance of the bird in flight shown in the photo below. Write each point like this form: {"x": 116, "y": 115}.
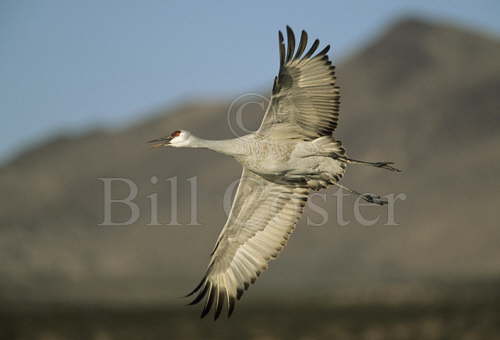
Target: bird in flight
{"x": 292, "y": 153}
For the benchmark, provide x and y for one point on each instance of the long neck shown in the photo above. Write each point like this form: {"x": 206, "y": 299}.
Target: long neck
{"x": 231, "y": 147}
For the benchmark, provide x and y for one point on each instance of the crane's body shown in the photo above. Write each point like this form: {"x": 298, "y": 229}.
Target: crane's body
{"x": 292, "y": 153}
{"x": 293, "y": 162}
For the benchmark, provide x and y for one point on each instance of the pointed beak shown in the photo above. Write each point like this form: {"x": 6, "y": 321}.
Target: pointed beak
{"x": 159, "y": 142}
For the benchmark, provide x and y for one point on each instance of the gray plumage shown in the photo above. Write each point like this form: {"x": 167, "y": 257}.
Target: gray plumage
{"x": 292, "y": 153}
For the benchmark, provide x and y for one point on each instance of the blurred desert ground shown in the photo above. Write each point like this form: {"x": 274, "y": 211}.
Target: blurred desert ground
{"x": 423, "y": 94}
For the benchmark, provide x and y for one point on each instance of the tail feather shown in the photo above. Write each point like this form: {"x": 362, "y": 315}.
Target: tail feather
{"x": 329, "y": 145}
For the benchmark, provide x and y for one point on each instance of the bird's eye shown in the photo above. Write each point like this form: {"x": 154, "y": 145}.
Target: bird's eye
{"x": 175, "y": 133}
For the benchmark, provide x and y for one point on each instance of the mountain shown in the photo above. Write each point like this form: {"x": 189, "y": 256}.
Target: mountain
{"x": 422, "y": 94}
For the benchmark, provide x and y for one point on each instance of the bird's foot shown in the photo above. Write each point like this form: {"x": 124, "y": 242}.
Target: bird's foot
{"x": 376, "y": 199}
{"x": 386, "y": 165}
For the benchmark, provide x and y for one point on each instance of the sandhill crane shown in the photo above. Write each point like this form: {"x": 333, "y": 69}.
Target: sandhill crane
{"x": 292, "y": 153}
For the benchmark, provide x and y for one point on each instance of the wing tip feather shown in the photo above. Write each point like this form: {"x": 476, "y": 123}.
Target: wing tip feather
{"x": 219, "y": 303}
{"x": 208, "y": 303}
{"x": 230, "y": 309}
{"x": 291, "y": 43}
{"x": 302, "y": 45}
{"x": 197, "y": 287}
{"x": 324, "y": 51}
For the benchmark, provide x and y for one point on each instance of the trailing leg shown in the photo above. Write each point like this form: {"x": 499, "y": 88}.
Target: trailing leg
{"x": 367, "y": 197}
{"x": 383, "y": 165}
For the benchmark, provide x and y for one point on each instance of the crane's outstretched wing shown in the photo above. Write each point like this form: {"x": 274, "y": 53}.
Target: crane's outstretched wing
{"x": 262, "y": 217}
{"x": 305, "y": 101}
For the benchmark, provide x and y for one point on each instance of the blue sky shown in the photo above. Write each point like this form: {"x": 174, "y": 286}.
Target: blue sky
{"x": 71, "y": 65}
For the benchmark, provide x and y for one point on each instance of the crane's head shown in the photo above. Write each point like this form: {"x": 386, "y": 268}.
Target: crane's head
{"x": 177, "y": 138}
